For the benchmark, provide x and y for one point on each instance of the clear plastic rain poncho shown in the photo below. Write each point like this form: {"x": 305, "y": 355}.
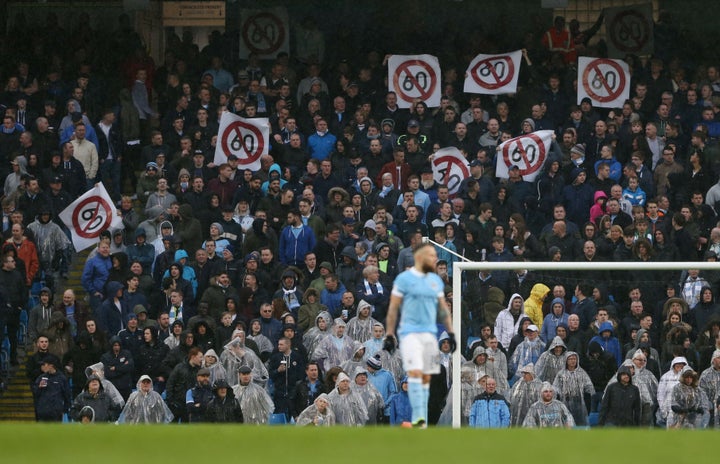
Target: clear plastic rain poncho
{"x": 550, "y": 363}
{"x": 373, "y": 345}
{"x": 665, "y": 388}
{"x": 145, "y": 407}
{"x": 553, "y": 414}
{"x": 524, "y": 393}
{"x": 50, "y": 240}
{"x": 526, "y": 352}
{"x": 336, "y": 349}
{"x": 470, "y": 388}
{"x": 358, "y": 359}
{"x": 235, "y": 355}
{"x": 371, "y": 396}
{"x": 314, "y": 335}
{"x": 349, "y": 407}
{"x": 482, "y": 367}
{"x": 688, "y": 403}
{"x": 393, "y": 364}
{"x": 710, "y": 384}
{"x": 644, "y": 380}
{"x": 255, "y": 403}
{"x": 312, "y": 415}
{"x": 217, "y": 371}
{"x": 360, "y": 329}
{"x": 112, "y": 392}
{"x": 571, "y": 385}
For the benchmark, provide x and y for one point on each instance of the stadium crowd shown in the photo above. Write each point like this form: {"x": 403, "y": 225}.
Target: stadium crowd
{"x": 240, "y": 296}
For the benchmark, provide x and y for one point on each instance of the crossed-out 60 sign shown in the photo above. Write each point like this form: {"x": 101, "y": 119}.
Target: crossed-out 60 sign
{"x": 91, "y": 217}
{"x": 493, "y": 73}
{"x": 603, "y": 80}
{"x": 414, "y": 79}
{"x": 244, "y": 141}
{"x": 527, "y": 152}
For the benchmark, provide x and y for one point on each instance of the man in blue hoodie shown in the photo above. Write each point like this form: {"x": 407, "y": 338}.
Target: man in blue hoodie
{"x": 608, "y": 341}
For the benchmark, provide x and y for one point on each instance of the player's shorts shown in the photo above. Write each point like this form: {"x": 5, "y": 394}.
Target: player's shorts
{"x": 420, "y": 351}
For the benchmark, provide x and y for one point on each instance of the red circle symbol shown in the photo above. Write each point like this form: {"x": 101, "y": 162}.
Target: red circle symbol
{"x": 452, "y": 171}
{"x": 95, "y": 217}
{"x": 485, "y": 72}
{"x": 235, "y": 139}
{"x": 527, "y": 152}
{"x": 612, "y": 80}
{"x": 629, "y": 31}
{"x": 263, "y": 33}
{"x": 413, "y": 80}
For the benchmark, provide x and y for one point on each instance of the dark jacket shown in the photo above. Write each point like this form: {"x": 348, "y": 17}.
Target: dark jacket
{"x": 224, "y": 410}
{"x": 197, "y": 401}
{"x": 104, "y": 410}
{"x": 105, "y": 143}
{"x": 303, "y": 397}
{"x": 119, "y": 368}
{"x": 53, "y": 399}
{"x": 109, "y": 317}
{"x": 180, "y": 381}
{"x": 150, "y": 360}
{"x": 621, "y": 403}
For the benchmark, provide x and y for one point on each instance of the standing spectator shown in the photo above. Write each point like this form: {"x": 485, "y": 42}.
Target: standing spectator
{"x": 525, "y": 393}
{"x": 548, "y": 412}
{"x": 286, "y": 368}
{"x": 198, "y": 398}
{"x": 119, "y": 367}
{"x": 12, "y": 284}
{"x": 296, "y": 240}
{"x": 490, "y": 409}
{"x": 621, "y": 403}
{"x": 51, "y": 391}
{"x": 95, "y": 275}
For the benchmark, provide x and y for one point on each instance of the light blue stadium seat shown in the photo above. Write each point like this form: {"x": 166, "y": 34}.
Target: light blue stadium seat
{"x": 277, "y": 419}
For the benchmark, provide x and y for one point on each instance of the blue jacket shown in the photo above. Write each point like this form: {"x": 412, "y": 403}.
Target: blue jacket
{"x": 611, "y": 344}
{"x": 490, "y": 411}
{"x": 95, "y": 274}
{"x": 333, "y": 300}
{"x": 320, "y": 147}
{"x": 399, "y": 409}
{"x": 145, "y": 254}
{"x": 293, "y": 249}
{"x": 384, "y": 382}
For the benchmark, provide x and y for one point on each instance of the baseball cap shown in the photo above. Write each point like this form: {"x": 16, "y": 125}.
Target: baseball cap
{"x": 532, "y": 327}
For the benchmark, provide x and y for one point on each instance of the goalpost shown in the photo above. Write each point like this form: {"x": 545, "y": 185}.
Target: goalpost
{"x": 459, "y": 267}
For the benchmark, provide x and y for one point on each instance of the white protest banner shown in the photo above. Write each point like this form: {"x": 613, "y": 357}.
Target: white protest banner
{"x": 450, "y": 168}
{"x": 528, "y": 152}
{"x": 604, "y": 81}
{"x": 247, "y": 139}
{"x": 88, "y": 216}
{"x": 414, "y": 77}
{"x": 493, "y": 74}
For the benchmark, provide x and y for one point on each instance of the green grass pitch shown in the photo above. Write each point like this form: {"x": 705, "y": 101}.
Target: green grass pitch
{"x": 73, "y": 443}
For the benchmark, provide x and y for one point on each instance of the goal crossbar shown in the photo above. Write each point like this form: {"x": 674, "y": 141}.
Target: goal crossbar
{"x": 458, "y": 267}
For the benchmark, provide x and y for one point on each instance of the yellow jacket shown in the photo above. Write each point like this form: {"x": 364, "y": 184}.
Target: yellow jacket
{"x": 534, "y": 303}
